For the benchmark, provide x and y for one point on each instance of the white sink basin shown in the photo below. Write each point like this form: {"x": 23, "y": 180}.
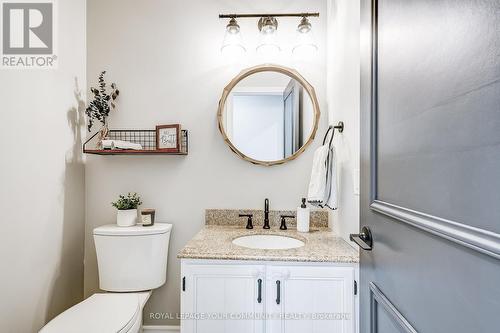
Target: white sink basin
{"x": 268, "y": 242}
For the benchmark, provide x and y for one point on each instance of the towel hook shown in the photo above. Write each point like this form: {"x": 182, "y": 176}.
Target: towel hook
{"x": 339, "y": 127}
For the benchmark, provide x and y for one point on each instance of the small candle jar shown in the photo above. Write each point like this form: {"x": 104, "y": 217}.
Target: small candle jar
{"x": 148, "y": 217}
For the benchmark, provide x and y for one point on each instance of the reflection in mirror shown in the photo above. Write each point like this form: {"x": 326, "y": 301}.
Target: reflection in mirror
{"x": 268, "y": 116}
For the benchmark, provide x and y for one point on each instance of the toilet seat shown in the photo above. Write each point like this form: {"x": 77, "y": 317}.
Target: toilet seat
{"x": 100, "y": 313}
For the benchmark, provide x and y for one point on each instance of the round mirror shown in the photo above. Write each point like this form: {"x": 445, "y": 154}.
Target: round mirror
{"x": 268, "y": 114}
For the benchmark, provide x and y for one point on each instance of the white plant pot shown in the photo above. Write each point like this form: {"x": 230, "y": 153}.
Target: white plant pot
{"x": 126, "y": 218}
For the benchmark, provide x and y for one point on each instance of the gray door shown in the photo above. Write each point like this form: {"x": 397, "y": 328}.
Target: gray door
{"x": 430, "y": 160}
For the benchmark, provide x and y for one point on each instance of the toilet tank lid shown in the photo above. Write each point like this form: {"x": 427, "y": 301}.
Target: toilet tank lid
{"x": 136, "y": 230}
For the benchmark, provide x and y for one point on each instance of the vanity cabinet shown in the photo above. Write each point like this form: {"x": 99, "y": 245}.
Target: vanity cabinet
{"x": 220, "y": 296}
{"x": 214, "y": 295}
{"x": 310, "y": 299}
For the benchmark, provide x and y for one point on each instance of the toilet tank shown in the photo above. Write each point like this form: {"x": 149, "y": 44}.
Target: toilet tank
{"x": 132, "y": 258}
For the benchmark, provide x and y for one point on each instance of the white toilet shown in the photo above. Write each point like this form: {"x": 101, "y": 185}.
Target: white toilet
{"x": 132, "y": 261}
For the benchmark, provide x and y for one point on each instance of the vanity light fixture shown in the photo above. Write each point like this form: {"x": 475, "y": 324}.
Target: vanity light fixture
{"x": 268, "y": 28}
{"x": 305, "y": 44}
{"x": 233, "y": 44}
{"x": 268, "y": 43}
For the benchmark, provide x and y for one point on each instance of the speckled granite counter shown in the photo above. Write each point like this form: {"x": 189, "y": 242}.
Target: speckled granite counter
{"x": 215, "y": 242}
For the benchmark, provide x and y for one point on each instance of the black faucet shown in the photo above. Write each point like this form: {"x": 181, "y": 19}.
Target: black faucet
{"x": 266, "y": 214}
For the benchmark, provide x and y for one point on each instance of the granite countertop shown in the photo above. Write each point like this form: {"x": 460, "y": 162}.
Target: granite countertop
{"x": 321, "y": 245}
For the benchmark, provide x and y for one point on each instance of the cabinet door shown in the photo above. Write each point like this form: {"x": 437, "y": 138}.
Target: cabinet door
{"x": 222, "y": 298}
{"x": 310, "y": 299}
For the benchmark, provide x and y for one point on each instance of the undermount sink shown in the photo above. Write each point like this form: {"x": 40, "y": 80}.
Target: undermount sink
{"x": 268, "y": 242}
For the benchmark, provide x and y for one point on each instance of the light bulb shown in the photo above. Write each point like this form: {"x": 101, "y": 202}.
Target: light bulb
{"x": 268, "y": 41}
{"x": 305, "y": 45}
{"x": 233, "y": 43}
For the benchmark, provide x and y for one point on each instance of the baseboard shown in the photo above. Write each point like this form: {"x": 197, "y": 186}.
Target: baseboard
{"x": 160, "y": 329}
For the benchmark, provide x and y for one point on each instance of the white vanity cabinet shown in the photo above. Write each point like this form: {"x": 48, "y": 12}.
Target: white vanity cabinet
{"x": 222, "y": 296}
{"x": 310, "y": 299}
{"x": 214, "y": 295}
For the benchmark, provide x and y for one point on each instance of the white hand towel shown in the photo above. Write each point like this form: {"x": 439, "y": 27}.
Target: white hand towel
{"x": 120, "y": 144}
{"x": 323, "y": 184}
{"x": 107, "y": 144}
{"x": 317, "y": 184}
{"x": 331, "y": 180}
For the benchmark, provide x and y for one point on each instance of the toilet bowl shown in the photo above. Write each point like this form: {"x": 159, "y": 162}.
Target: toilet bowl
{"x": 132, "y": 261}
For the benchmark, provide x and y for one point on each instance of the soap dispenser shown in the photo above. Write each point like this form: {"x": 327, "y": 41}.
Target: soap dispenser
{"x": 303, "y": 213}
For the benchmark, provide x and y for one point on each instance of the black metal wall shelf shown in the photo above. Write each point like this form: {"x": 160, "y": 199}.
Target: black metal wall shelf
{"x": 146, "y": 138}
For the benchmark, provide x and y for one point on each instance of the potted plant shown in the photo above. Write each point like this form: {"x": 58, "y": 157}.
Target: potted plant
{"x": 100, "y": 107}
{"x": 127, "y": 209}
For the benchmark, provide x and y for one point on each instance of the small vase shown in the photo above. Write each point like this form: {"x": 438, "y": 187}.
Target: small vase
{"x": 126, "y": 218}
{"x": 103, "y": 135}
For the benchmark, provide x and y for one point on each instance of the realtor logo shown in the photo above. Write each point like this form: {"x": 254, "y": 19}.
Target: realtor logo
{"x": 27, "y": 34}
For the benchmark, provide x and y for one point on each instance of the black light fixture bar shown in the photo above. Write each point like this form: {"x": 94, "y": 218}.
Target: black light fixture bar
{"x": 222, "y": 16}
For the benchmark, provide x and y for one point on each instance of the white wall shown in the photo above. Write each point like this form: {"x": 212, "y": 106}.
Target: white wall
{"x": 343, "y": 105}
{"x": 257, "y": 128}
{"x": 42, "y": 182}
{"x": 165, "y": 58}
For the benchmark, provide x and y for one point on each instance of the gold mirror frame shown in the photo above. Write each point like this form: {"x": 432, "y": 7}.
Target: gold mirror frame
{"x": 269, "y": 68}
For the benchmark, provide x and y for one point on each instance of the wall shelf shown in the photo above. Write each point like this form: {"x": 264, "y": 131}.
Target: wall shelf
{"x": 146, "y": 138}
{"x": 128, "y": 152}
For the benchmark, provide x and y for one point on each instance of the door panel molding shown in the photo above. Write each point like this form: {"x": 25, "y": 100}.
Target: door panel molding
{"x": 378, "y": 298}
{"x": 481, "y": 240}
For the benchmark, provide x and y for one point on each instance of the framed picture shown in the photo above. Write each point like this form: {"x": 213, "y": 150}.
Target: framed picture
{"x": 168, "y": 138}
